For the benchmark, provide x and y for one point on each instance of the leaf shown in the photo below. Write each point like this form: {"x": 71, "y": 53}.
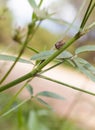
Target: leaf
{"x": 33, "y": 3}
{"x": 43, "y": 102}
{"x": 86, "y": 68}
{"x": 45, "y": 54}
{"x": 50, "y": 94}
{"x": 13, "y": 58}
{"x": 85, "y": 49}
{"x": 42, "y": 55}
{"x": 33, "y": 121}
{"x": 30, "y": 89}
{"x": 65, "y": 54}
{"x": 87, "y": 65}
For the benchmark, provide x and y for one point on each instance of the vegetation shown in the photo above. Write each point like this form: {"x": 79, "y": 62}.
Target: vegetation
{"x": 43, "y": 55}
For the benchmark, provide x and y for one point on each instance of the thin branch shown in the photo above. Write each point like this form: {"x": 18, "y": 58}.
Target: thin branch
{"x": 20, "y": 54}
{"x": 66, "y": 85}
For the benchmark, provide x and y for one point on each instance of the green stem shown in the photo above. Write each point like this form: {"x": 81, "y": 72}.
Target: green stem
{"x": 14, "y": 108}
{"x": 32, "y": 49}
{"x": 8, "y": 72}
{"x": 67, "y": 85}
{"x": 38, "y": 69}
{"x": 21, "y": 52}
{"x": 89, "y": 13}
{"x": 59, "y": 63}
{"x": 83, "y": 21}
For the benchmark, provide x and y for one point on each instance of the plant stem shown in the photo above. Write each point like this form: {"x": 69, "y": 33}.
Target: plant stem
{"x": 8, "y": 72}
{"x": 59, "y": 63}
{"x": 38, "y": 69}
{"x": 83, "y": 21}
{"x": 89, "y": 13}
{"x": 20, "y": 53}
{"x": 67, "y": 85}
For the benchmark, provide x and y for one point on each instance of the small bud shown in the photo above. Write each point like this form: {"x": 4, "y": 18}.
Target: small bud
{"x": 59, "y": 44}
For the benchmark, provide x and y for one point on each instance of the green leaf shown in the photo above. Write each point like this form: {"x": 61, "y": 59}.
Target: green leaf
{"x": 86, "y": 68}
{"x": 43, "y": 102}
{"x": 45, "y": 54}
{"x": 42, "y": 55}
{"x": 87, "y": 65}
{"x": 65, "y": 54}
{"x": 13, "y": 58}
{"x": 30, "y": 89}
{"x": 33, "y": 3}
{"x": 33, "y": 121}
{"x": 85, "y": 49}
{"x": 50, "y": 94}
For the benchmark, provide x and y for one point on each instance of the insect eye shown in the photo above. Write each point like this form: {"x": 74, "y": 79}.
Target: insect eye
{"x": 59, "y": 44}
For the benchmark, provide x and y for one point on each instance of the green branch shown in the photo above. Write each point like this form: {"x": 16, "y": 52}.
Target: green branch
{"x": 53, "y": 56}
{"x": 66, "y": 85}
{"x": 41, "y": 66}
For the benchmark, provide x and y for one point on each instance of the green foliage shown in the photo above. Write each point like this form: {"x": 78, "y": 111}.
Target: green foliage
{"x": 12, "y": 58}
{"x": 33, "y": 3}
{"x": 35, "y": 41}
{"x": 49, "y": 94}
{"x": 31, "y": 116}
{"x": 46, "y": 54}
{"x": 86, "y": 48}
{"x": 30, "y": 89}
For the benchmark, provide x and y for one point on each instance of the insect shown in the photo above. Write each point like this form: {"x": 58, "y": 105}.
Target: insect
{"x": 59, "y": 44}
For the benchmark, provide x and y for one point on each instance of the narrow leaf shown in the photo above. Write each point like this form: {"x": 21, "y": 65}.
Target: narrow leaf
{"x": 45, "y": 54}
{"x": 33, "y": 3}
{"x": 85, "y": 49}
{"x": 30, "y": 89}
{"x": 13, "y": 58}
{"x": 65, "y": 54}
{"x": 50, "y": 94}
{"x": 86, "y": 68}
{"x": 43, "y": 102}
{"x": 87, "y": 65}
{"x": 33, "y": 121}
{"x": 42, "y": 55}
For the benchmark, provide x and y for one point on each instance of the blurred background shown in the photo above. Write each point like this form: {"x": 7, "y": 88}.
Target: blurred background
{"x": 15, "y": 14}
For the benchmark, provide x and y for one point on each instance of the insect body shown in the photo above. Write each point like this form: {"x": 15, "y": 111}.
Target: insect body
{"x": 59, "y": 44}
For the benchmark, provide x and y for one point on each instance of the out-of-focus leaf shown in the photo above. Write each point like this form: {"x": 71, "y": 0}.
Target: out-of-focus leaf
{"x": 30, "y": 89}
{"x": 42, "y": 55}
{"x": 45, "y": 54}
{"x": 13, "y": 58}
{"x": 86, "y": 68}
{"x": 50, "y": 94}
{"x": 65, "y": 54}
{"x": 85, "y": 49}
{"x": 33, "y": 3}
{"x": 43, "y": 102}
{"x": 87, "y": 65}
{"x": 33, "y": 123}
